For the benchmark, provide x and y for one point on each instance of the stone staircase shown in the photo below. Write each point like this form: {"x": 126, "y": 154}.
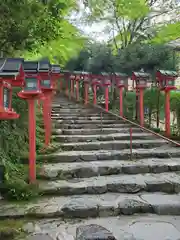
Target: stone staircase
{"x": 94, "y": 177}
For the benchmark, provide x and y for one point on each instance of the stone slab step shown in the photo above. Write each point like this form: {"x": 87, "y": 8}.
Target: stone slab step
{"x": 83, "y": 118}
{"x": 135, "y": 227}
{"x": 90, "y": 121}
{"x": 104, "y": 155}
{"x": 112, "y": 145}
{"x": 93, "y": 131}
{"x": 102, "y": 137}
{"x": 168, "y": 182}
{"x": 102, "y": 168}
{"x": 61, "y": 124}
{"x": 86, "y": 206}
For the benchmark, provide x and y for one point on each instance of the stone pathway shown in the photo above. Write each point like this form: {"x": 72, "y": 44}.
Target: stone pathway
{"x": 95, "y": 179}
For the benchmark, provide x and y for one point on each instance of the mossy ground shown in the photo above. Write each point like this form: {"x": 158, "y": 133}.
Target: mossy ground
{"x": 12, "y": 230}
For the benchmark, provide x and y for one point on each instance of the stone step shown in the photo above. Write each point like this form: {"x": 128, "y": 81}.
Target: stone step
{"x": 102, "y": 168}
{"x": 136, "y": 227}
{"x": 92, "y": 131}
{"x": 168, "y": 182}
{"x": 84, "y": 118}
{"x": 94, "y": 206}
{"x": 102, "y": 137}
{"x": 112, "y": 145}
{"x": 95, "y": 119}
{"x": 104, "y": 155}
{"x": 61, "y": 124}
{"x": 90, "y": 121}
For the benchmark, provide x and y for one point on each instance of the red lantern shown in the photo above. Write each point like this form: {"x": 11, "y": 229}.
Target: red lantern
{"x": 11, "y": 74}
{"x": 120, "y": 81}
{"x": 65, "y": 74}
{"x": 31, "y": 92}
{"x": 106, "y": 81}
{"x": 6, "y": 110}
{"x": 55, "y": 74}
{"x": 140, "y": 80}
{"x": 86, "y": 77}
{"x": 166, "y": 79}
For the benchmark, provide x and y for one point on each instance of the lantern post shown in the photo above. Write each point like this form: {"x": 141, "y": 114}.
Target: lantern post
{"x": 72, "y": 80}
{"x": 77, "y": 79}
{"x": 95, "y": 82}
{"x": 120, "y": 79}
{"x": 106, "y": 82}
{"x": 11, "y": 75}
{"x": 46, "y": 84}
{"x": 86, "y": 76}
{"x": 140, "y": 80}
{"x": 165, "y": 81}
{"x": 31, "y": 92}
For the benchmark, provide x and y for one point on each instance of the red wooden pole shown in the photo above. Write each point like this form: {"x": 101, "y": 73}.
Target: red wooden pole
{"x": 107, "y": 99}
{"x": 86, "y": 87}
{"x": 77, "y": 90}
{"x": 46, "y": 116}
{"x": 121, "y": 101}
{"x": 32, "y": 141}
{"x": 72, "y": 88}
{"x": 94, "y": 94}
{"x": 167, "y": 113}
{"x": 67, "y": 86}
{"x": 141, "y": 107}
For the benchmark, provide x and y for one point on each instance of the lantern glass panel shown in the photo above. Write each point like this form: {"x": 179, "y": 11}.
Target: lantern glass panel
{"x": 6, "y": 95}
{"x": 163, "y": 83}
{"x": 142, "y": 82}
{"x": 46, "y": 83}
{"x": 170, "y": 83}
{"x": 31, "y": 84}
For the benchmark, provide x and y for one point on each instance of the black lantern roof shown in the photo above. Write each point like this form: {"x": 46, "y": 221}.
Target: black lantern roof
{"x": 65, "y": 71}
{"x": 55, "y": 68}
{"x": 31, "y": 66}
{"x": 77, "y": 72}
{"x": 121, "y": 74}
{"x": 44, "y": 66}
{"x": 168, "y": 73}
{"x": 10, "y": 67}
{"x": 141, "y": 75}
{"x": 104, "y": 74}
{"x": 86, "y": 73}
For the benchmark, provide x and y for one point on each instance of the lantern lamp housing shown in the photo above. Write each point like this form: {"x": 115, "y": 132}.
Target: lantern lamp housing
{"x": 6, "y": 111}
{"x": 120, "y": 79}
{"x": 77, "y": 75}
{"x": 95, "y": 79}
{"x": 32, "y": 79}
{"x": 166, "y": 79}
{"x": 105, "y": 78}
{"x": 86, "y": 77}
{"x": 44, "y": 69}
{"x": 140, "y": 79}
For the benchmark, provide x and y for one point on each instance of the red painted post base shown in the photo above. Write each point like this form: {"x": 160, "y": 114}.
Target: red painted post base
{"x": 167, "y": 113}
{"x": 141, "y": 107}
{"x": 121, "y": 101}
{"x": 106, "y": 98}
{"x": 94, "y": 95}
{"x": 86, "y": 88}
